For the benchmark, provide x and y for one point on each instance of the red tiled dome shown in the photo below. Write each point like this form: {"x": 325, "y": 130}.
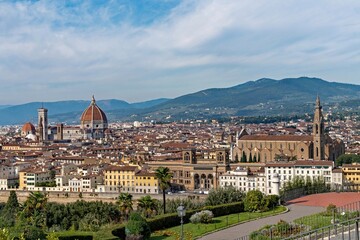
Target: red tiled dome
{"x": 28, "y": 127}
{"x": 93, "y": 113}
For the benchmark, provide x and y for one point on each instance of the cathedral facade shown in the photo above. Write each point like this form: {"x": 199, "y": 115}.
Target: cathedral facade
{"x": 93, "y": 125}
{"x": 266, "y": 148}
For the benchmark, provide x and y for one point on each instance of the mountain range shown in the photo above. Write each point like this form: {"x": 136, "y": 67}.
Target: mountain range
{"x": 254, "y": 98}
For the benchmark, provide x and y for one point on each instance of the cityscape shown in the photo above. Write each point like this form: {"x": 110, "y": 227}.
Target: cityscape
{"x": 137, "y": 120}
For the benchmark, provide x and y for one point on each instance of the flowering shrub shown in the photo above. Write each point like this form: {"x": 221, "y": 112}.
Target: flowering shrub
{"x": 204, "y": 216}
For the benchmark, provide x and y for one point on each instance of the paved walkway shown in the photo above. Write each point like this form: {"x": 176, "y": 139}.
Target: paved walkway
{"x": 296, "y": 211}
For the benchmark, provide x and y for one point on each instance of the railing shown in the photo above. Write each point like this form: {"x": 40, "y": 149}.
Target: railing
{"x": 344, "y": 230}
{"x": 338, "y": 223}
{"x": 347, "y": 230}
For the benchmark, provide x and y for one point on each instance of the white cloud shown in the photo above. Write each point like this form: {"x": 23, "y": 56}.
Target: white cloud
{"x": 198, "y": 44}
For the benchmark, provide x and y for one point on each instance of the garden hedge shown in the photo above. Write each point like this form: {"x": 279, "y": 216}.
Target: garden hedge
{"x": 76, "y": 237}
{"x": 172, "y": 219}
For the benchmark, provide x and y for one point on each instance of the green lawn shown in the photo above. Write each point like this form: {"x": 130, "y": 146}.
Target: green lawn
{"x": 197, "y": 230}
{"x": 320, "y": 220}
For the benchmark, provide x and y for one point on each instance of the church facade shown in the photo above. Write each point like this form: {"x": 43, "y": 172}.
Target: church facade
{"x": 93, "y": 125}
{"x": 267, "y": 148}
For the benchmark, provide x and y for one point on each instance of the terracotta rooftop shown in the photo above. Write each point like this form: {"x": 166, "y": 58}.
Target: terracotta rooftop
{"x": 277, "y": 138}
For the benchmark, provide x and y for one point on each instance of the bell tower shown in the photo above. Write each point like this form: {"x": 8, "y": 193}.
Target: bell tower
{"x": 43, "y": 124}
{"x": 318, "y": 132}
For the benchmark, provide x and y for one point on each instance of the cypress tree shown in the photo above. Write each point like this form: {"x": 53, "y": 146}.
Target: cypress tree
{"x": 236, "y": 158}
{"x": 243, "y": 158}
{"x": 8, "y": 214}
{"x": 250, "y": 158}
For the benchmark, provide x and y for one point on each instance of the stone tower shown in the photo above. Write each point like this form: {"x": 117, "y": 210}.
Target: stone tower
{"x": 318, "y": 132}
{"x": 43, "y": 124}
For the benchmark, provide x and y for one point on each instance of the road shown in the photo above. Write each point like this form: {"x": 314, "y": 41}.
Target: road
{"x": 295, "y": 211}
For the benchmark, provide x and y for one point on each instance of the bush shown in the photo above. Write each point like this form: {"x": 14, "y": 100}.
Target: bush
{"x": 254, "y": 201}
{"x": 34, "y": 233}
{"x": 272, "y": 201}
{"x": 226, "y": 209}
{"x": 137, "y": 227}
{"x": 223, "y": 196}
{"x": 89, "y": 223}
{"x": 331, "y": 209}
{"x": 76, "y": 237}
{"x": 119, "y": 232}
{"x": 204, "y": 216}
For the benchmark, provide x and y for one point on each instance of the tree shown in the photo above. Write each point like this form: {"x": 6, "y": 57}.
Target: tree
{"x": 254, "y": 159}
{"x": 8, "y": 214}
{"x": 52, "y": 174}
{"x": 254, "y": 201}
{"x": 125, "y": 204}
{"x": 147, "y": 205}
{"x": 243, "y": 158}
{"x": 34, "y": 208}
{"x": 347, "y": 159}
{"x": 164, "y": 176}
{"x": 236, "y": 158}
{"x": 137, "y": 227}
{"x": 250, "y": 158}
{"x": 223, "y": 195}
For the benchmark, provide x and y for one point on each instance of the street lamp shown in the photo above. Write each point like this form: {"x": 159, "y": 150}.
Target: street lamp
{"x": 181, "y": 212}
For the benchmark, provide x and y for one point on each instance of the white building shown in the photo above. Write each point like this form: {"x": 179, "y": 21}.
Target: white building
{"x": 75, "y": 184}
{"x": 90, "y": 182}
{"x": 36, "y": 176}
{"x": 244, "y": 180}
{"x": 302, "y": 168}
{"x": 337, "y": 178}
{"x": 275, "y": 174}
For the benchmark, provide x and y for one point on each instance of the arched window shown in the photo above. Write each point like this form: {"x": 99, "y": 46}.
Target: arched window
{"x": 187, "y": 156}
{"x": 220, "y": 156}
{"x": 317, "y": 128}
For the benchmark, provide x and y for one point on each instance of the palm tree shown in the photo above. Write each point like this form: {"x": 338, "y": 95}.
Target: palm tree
{"x": 34, "y": 208}
{"x": 125, "y": 204}
{"x": 35, "y": 202}
{"x": 164, "y": 176}
{"x": 147, "y": 205}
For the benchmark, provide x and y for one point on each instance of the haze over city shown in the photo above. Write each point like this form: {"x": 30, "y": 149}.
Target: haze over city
{"x": 141, "y": 50}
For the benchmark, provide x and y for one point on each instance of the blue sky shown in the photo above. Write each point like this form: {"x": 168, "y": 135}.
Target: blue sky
{"x": 138, "y": 50}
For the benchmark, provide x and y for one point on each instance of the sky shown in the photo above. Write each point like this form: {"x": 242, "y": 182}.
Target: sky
{"x": 147, "y": 49}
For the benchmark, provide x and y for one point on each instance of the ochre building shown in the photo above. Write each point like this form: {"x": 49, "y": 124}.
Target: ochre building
{"x": 197, "y": 170}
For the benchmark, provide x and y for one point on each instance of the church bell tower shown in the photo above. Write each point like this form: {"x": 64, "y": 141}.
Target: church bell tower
{"x": 43, "y": 124}
{"x": 318, "y": 132}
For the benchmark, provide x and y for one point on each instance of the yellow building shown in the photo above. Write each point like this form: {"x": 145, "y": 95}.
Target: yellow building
{"x": 120, "y": 178}
{"x": 146, "y": 182}
{"x": 22, "y": 180}
{"x": 351, "y": 173}
{"x": 30, "y": 178}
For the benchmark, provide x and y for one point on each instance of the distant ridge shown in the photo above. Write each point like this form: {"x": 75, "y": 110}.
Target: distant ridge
{"x": 262, "y": 97}
{"x": 19, "y": 114}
